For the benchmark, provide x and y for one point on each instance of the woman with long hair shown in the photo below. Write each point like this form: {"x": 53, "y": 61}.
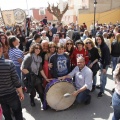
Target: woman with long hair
{"x": 5, "y": 44}
{"x": 19, "y": 34}
{"x": 47, "y": 65}
{"x": 93, "y": 59}
{"x": 69, "y": 47}
{"x": 115, "y": 50}
{"x": 32, "y": 65}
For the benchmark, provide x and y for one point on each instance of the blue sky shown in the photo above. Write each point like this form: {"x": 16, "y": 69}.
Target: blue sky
{"x": 12, "y": 4}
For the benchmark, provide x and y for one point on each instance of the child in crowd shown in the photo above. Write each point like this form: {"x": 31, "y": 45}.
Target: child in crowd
{"x": 80, "y": 51}
{"x": 60, "y": 62}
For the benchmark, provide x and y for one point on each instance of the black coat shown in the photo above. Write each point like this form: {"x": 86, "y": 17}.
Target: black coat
{"x": 105, "y": 55}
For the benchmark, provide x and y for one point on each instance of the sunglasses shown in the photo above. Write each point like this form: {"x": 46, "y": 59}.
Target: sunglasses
{"x": 88, "y": 42}
{"x": 52, "y": 47}
{"x": 69, "y": 43}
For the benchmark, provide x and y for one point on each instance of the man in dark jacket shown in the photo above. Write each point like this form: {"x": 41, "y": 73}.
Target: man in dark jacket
{"x": 54, "y": 29}
{"x": 104, "y": 62}
{"x": 45, "y": 21}
{"x": 9, "y": 84}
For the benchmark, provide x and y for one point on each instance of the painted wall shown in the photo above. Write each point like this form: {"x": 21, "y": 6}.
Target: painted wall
{"x": 37, "y": 16}
{"x": 104, "y": 17}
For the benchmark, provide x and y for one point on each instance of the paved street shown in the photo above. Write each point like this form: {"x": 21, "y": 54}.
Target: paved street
{"x": 99, "y": 109}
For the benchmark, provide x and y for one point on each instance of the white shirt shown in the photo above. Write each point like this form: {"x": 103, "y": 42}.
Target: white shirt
{"x": 63, "y": 41}
{"x": 83, "y": 77}
{"x": 45, "y": 38}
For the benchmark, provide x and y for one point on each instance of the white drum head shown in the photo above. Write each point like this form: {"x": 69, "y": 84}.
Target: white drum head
{"x": 55, "y": 96}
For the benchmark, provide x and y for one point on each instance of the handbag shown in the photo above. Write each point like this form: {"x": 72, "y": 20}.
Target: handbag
{"x": 31, "y": 80}
{"x": 95, "y": 68}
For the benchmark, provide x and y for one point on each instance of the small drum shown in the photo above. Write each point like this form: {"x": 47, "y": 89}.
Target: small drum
{"x": 55, "y": 91}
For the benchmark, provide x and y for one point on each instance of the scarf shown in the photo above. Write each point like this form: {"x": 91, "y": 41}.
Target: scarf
{"x": 35, "y": 65}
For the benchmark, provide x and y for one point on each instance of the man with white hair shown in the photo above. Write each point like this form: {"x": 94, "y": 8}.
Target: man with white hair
{"x": 44, "y": 45}
{"x": 70, "y": 32}
{"x": 83, "y": 81}
{"x": 56, "y": 38}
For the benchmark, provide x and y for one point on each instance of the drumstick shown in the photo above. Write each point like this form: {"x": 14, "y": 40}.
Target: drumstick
{"x": 67, "y": 95}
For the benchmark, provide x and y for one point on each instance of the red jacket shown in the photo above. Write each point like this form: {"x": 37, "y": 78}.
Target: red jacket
{"x": 77, "y": 53}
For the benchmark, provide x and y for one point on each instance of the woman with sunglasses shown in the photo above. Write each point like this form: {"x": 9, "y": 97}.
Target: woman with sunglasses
{"x": 32, "y": 64}
{"x": 93, "y": 59}
{"x": 5, "y": 44}
{"x": 69, "y": 49}
{"x": 47, "y": 65}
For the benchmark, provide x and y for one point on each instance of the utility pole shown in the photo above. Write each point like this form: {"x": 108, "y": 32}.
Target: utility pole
{"x": 95, "y": 2}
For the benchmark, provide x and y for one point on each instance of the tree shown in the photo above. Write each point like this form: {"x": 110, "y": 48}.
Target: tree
{"x": 56, "y": 11}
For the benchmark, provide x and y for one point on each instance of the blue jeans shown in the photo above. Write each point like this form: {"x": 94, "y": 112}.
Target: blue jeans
{"x": 114, "y": 62}
{"x": 11, "y": 101}
{"x": 116, "y": 106}
{"x": 83, "y": 96}
{"x": 18, "y": 71}
{"x": 103, "y": 79}
{"x": 94, "y": 80}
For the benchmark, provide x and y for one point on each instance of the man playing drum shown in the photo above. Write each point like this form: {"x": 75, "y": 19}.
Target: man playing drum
{"x": 83, "y": 81}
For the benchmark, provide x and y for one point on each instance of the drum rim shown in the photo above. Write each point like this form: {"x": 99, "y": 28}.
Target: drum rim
{"x": 57, "y": 82}
{"x": 52, "y": 86}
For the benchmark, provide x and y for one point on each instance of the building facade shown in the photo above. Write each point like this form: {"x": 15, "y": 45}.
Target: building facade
{"x": 81, "y": 11}
{"x": 106, "y": 11}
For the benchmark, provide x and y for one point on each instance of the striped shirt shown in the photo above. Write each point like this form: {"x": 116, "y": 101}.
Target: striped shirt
{"x": 9, "y": 79}
{"x": 15, "y": 54}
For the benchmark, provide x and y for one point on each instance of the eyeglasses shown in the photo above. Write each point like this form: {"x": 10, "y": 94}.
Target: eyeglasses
{"x": 88, "y": 42}
{"x": 37, "y": 48}
{"x": 69, "y": 43}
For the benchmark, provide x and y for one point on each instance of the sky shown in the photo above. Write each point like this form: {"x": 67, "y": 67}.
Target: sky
{"x": 13, "y": 4}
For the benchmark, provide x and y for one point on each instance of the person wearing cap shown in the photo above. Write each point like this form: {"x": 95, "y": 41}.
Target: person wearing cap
{"x": 9, "y": 84}
{"x": 80, "y": 51}
{"x": 44, "y": 37}
{"x": 83, "y": 81}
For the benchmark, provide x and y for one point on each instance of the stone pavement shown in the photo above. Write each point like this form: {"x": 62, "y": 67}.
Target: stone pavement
{"x": 99, "y": 109}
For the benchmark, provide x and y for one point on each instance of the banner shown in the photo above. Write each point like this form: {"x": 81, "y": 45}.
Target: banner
{"x": 19, "y": 15}
{"x": 8, "y": 17}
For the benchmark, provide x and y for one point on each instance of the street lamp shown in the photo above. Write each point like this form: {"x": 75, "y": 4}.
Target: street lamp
{"x": 95, "y": 2}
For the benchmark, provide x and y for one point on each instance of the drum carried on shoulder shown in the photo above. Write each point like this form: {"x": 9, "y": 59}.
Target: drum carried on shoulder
{"x": 55, "y": 91}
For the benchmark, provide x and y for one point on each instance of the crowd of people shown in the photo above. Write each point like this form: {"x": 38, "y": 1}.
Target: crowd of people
{"x": 29, "y": 63}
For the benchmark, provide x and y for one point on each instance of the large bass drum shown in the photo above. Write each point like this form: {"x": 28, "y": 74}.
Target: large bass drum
{"x": 55, "y": 91}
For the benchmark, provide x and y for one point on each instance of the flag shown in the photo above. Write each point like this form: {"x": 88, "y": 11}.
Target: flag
{"x": 8, "y": 17}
